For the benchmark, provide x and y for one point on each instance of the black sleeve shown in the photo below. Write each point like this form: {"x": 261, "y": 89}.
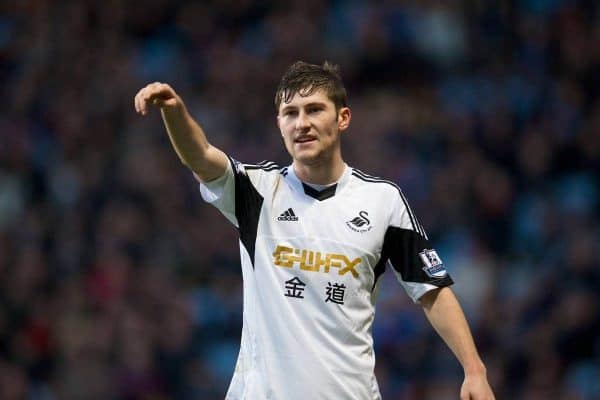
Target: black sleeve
{"x": 413, "y": 257}
{"x": 248, "y": 203}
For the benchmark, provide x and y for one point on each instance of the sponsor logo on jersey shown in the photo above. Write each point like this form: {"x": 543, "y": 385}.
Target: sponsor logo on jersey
{"x": 360, "y": 223}
{"x": 288, "y": 215}
{"x": 309, "y": 260}
{"x": 433, "y": 265}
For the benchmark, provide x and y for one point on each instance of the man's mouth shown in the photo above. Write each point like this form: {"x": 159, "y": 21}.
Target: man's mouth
{"x": 304, "y": 139}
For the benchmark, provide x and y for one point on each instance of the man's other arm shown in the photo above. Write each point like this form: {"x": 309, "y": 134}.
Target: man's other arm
{"x": 446, "y": 316}
{"x": 186, "y": 135}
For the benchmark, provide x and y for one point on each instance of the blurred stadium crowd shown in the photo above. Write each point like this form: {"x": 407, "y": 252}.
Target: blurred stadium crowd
{"x": 117, "y": 282}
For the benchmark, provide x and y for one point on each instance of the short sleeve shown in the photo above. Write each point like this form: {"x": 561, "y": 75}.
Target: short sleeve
{"x": 220, "y": 193}
{"x": 236, "y": 195}
{"x": 415, "y": 261}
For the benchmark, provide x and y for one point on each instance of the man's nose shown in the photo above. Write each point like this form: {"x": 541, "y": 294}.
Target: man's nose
{"x": 302, "y": 122}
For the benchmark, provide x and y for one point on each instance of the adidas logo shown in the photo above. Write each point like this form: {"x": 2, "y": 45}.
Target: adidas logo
{"x": 287, "y": 215}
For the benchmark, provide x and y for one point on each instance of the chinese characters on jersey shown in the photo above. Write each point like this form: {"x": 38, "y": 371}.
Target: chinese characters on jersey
{"x": 294, "y": 288}
{"x": 334, "y": 292}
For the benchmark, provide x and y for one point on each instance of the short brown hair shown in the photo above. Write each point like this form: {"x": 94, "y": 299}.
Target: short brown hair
{"x": 305, "y": 79}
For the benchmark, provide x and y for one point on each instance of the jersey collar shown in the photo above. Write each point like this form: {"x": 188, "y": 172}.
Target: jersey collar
{"x": 301, "y": 187}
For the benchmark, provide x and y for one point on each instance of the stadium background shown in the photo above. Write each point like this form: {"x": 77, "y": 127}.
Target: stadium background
{"x": 117, "y": 282}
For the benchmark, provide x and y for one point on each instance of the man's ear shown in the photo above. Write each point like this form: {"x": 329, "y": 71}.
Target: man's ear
{"x": 344, "y": 117}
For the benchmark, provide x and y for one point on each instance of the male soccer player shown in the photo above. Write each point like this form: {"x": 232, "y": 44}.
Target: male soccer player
{"x": 315, "y": 236}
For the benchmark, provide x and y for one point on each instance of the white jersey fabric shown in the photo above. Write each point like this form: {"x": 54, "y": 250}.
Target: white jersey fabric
{"x": 310, "y": 263}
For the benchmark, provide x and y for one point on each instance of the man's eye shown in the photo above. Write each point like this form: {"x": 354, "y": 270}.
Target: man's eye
{"x": 313, "y": 110}
{"x": 290, "y": 113}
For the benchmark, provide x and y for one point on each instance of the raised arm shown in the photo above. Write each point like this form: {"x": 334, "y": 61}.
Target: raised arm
{"x": 446, "y": 316}
{"x": 186, "y": 135}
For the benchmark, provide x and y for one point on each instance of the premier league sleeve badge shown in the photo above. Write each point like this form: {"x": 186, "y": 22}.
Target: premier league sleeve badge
{"x": 433, "y": 265}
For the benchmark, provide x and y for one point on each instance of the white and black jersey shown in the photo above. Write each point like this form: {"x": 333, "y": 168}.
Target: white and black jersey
{"x": 310, "y": 262}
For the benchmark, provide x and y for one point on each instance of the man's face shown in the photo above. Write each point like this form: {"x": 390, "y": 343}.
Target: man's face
{"x": 311, "y": 127}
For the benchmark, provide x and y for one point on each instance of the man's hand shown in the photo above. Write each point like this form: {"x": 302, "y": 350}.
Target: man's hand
{"x": 156, "y": 94}
{"x": 476, "y": 387}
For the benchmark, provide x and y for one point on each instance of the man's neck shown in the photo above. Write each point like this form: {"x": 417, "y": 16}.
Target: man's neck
{"x": 320, "y": 174}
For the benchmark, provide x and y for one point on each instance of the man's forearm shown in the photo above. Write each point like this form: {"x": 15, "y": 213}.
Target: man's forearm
{"x": 446, "y": 316}
{"x": 190, "y": 143}
{"x": 187, "y": 137}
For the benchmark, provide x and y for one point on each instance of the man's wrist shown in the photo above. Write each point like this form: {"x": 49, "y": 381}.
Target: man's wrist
{"x": 473, "y": 368}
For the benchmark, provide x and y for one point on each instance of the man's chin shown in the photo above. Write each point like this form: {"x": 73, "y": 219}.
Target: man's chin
{"x": 306, "y": 157}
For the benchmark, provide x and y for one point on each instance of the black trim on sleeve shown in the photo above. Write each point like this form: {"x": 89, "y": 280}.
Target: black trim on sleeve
{"x": 248, "y": 203}
{"x": 266, "y": 167}
{"x": 379, "y": 268}
{"x": 403, "y": 246}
